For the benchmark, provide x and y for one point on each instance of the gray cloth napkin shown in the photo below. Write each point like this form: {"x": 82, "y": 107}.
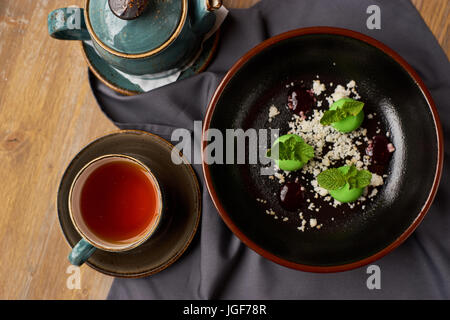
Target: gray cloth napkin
{"x": 218, "y": 265}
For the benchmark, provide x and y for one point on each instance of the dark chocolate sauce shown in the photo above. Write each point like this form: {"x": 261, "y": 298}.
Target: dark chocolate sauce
{"x": 291, "y": 196}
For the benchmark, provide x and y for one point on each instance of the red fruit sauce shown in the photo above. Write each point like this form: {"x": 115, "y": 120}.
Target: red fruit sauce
{"x": 291, "y": 196}
{"x": 300, "y": 100}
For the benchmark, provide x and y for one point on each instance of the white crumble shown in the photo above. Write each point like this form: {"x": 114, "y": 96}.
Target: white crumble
{"x": 318, "y": 87}
{"x": 376, "y": 180}
{"x": 339, "y": 93}
{"x": 318, "y": 135}
{"x": 331, "y": 147}
{"x": 351, "y": 84}
{"x": 280, "y": 177}
{"x": 373, "y": 193}
{"x": 336, "y": 203}
{"x": 273, "y": 112}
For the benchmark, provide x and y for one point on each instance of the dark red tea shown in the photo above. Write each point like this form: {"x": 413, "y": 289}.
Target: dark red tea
{"x": 118, "y": 201}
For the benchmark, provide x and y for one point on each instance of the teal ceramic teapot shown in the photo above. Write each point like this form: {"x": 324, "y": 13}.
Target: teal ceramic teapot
{"x": 138, "y": 36}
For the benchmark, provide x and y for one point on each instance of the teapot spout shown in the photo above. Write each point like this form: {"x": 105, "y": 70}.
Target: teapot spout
{"x": 204, "y": 16}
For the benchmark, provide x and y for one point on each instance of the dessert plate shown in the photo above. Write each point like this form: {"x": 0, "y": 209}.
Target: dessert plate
{"x": 124, "y": 84}
{"x": 182, "y": 204}
{"x": 389, "y": 87}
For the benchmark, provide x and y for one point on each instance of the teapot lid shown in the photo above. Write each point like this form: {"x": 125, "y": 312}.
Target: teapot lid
{"x": 135, "y": 28}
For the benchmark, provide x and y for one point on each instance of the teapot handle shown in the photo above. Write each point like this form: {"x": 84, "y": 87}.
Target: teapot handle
{"x": 68, "y": 24}
{"x": 204, "y": 16}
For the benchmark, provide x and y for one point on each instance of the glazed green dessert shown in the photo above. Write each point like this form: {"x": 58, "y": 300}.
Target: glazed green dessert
{"x": 346, "y": 194}
{"x": 348, "y": 124}
{"x": 345, "y": 115}
{"x": 290, "y": 152}
{"x": 345, "y": 184}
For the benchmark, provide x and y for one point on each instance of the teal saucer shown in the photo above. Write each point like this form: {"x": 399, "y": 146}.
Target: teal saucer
{"x": 119, "y": 83}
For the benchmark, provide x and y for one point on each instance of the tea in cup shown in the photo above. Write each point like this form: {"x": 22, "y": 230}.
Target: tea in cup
{"x": 115, "y": 204}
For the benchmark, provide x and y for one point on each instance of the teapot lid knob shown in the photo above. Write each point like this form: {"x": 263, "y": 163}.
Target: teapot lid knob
{"x": 128, "y": 9}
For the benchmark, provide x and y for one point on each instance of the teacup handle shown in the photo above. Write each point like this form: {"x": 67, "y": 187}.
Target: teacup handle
{"x": 68, "y": 24}
{"x": 81, "y": 252}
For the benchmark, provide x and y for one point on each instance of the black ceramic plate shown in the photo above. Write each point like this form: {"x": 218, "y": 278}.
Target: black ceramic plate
{"x": 181, "y": 200}
{"x": 388, "y": 86}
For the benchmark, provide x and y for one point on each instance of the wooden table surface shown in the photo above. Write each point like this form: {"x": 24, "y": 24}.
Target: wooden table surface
{"x": 47, "y": 114}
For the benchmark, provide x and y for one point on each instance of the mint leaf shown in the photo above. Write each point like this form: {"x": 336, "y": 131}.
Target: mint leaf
{"x": 334, "y": 179}
{"x": 293, "y": 148}
{"x": 304, "y": 152}
{"x": 331, "y": 179}
{"x": 351, "y": 171}
{"x": 358, "y": 178}
{"x": 341, "y": 110}
{"x": 363, "y": 178}
{"x": 351, "y": 107}
{"x": 329, "y": 117}
{"x": 352, "y": 183}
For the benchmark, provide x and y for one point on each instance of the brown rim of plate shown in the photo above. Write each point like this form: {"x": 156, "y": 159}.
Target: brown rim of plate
{"x": 133, "y": 93}
{"x": 194, "y": 230}
{"x": 161, "y": 47}
{"x": 412, "y": 74}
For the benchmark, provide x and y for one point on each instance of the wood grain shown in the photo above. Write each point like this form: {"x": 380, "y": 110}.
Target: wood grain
{"x": 47, "y": 114}
{"x": 436, "y": 15}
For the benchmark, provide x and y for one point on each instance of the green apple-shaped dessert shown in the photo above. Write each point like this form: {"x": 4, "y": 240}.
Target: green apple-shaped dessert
{"x": 345, "y": 115}
{"x": 345, "y": 184}
{"x": 290, "y": 152}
